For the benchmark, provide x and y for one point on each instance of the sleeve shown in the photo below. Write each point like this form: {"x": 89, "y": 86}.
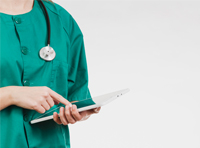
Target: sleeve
{"x": 77, "y": 72}
{"x": 77, "y": 64}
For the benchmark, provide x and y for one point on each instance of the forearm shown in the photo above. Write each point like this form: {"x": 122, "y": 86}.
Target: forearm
{"x": 5, "y": 98}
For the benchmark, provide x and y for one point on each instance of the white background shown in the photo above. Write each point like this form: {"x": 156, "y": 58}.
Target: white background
{"x": 153, "y": 48}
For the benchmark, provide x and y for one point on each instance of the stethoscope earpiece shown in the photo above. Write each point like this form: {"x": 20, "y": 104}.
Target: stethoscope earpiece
{"x": 47, "y": 53}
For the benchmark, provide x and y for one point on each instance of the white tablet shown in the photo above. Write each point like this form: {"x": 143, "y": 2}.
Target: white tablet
{"x": 88, "y": 103}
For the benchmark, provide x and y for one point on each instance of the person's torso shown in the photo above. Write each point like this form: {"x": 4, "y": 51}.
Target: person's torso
{"x": 21, "y": 38}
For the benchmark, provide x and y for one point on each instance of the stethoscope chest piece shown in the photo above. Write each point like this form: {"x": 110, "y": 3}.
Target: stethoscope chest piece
{"x": 47, "y": 53}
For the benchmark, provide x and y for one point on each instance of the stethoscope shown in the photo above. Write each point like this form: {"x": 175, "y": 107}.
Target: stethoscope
{"x": 47, "y": 53}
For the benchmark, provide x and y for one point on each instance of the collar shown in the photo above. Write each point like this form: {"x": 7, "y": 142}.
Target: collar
{"x": 10, "y": 19}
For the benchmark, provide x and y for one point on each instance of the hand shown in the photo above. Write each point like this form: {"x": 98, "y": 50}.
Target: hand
{"x": 70, "y": 114}
{"x": 35, "y": 98}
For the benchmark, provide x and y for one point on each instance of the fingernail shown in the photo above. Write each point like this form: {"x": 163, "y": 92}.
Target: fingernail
{"x": 67, "y": 107}
{"x": 74, "y": 107}
{"x": 70, "y": 105}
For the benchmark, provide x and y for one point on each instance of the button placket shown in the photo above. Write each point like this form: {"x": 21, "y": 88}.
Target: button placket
{"x": 20, "y": 24}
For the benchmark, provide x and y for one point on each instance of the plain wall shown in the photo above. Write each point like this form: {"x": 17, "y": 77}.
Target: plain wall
{"x": 153, "y": 48}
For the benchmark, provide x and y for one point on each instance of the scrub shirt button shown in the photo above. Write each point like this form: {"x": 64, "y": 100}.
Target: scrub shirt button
{"x": 26, "y": 83}
{"x": 17, "y": 20}
{"x": 25, "y": 117}
{"x": 24, "y": 50}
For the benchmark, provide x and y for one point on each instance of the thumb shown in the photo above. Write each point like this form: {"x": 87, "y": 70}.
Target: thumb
{"x": 96, "y": 110}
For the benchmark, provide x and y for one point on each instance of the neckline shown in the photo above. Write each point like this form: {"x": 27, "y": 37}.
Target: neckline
{"x": 23, "y": 14}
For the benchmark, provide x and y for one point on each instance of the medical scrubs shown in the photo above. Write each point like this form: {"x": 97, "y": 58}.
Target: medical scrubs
{"x": 21, "y": 38}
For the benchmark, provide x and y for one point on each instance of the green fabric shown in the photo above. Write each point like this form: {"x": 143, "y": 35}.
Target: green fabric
{"x": 21, "y": 38}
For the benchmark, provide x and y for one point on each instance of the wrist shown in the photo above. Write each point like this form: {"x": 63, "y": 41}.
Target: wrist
{"x": 8, "y": 94}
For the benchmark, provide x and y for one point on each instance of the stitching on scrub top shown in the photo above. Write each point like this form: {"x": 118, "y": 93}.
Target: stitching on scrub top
{"x": 63, "y": 133}
{"x": 55, "y": 66}
{"x": 25, "y": 135}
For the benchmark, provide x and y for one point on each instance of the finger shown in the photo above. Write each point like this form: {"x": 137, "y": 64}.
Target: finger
{"x": 85, "y": 115}
{"x": 68, "y": 115}
{"x": 40, "y": 109}
{"x": 56, "y": 102}
{"x": 75, "y": 113}
{"x": 58, "y": 97}
{"x": 62, "y": 116}
{"x": 45, "y": 105}
{"x": 90, "y": 112}
{"x": 96, "y": 110}
{"x": 56, "y": 118}
{"x": 50, "y": 101}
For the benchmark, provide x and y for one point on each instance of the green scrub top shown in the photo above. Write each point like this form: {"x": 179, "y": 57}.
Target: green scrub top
{"x": 21, "y": 38}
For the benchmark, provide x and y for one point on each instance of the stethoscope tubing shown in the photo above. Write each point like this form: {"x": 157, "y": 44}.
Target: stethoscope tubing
{"x": 47, "y": 53}
{"x": 48, "y": 22}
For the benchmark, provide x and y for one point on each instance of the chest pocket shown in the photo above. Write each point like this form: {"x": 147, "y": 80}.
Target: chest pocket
{"x": 59, "y": 77}
{"x": 58, "y": 83}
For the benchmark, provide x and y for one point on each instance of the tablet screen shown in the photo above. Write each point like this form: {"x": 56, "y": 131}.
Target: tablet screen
{"x": 82, "y": 103}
